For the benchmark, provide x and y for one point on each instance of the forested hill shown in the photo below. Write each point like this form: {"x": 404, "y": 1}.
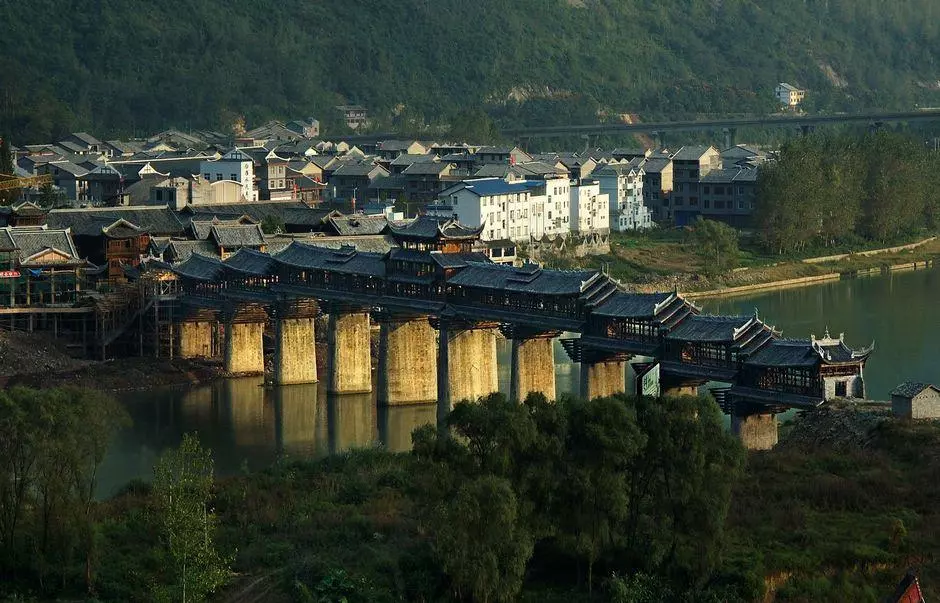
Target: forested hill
{"x": 118, "y": 67}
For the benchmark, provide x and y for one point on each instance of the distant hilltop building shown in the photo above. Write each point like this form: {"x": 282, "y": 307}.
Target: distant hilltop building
{"x": 355, "y": 116}
{"x": 789, "y": 96}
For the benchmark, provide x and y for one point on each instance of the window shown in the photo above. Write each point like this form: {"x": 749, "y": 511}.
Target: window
{"x": 207, "y": 176}
{"x": 707, "y": 203}
{"x": 719, "y": 204}
{"x": 693, "y": 201}
{"x": 218, "y": 177}
{"x": 159, "y": 194}
{"x": 841, "y": 389}
{"x": 741, "y": 204}
{"x": 707, "y": 189}
{"x": 234, "y": 177}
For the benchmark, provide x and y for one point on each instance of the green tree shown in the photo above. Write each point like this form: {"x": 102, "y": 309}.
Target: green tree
{"x": 481, "y": 540}
{"x": 272, "y": 224}
{"x": 183, "y": 479}
{"x": 717, "y": 243}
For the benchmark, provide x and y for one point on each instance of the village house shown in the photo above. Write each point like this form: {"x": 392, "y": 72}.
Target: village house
{"x": 913, "y": 400}
{"x": 690, "y": 164}
{"x": 41, "y": 267}
{"x": 236, "y": 166}
{"x": 590, "y": 209}
{"x": 499, "y": 207}
{"x": 789, "y": 96}
{"x": 355, "y": 116}
{"x": 729, "y": 195}
{"x": 623, "y": 184}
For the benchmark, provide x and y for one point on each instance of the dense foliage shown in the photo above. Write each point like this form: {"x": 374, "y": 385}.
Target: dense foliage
{"x": 114, "y": 67}
{"x": 825, "y": 191}
{"x": 51, "y": 445}
{"x": 632, "y": 485}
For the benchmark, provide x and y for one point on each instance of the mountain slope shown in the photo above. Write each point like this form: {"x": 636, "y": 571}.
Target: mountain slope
{"x": 118, "y": 67}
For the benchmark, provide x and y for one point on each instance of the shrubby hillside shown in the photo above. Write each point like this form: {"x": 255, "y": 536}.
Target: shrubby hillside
{"x": 122, "y": 68}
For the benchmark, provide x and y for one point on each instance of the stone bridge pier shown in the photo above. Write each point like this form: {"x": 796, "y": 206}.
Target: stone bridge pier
{"x": 295, "y": 352}
{"x": 466, "y": 361}
{"x": 244, "y": 343}
{"x": 349, "y": 353}
{"x": 756, "y": 429}
{"x": 197, "y": 334}
{"x": 407, "y": 372}
{"x": 603, "y": 376}
{"x": 671, "y": 385}
{"x": 533, "y": 363}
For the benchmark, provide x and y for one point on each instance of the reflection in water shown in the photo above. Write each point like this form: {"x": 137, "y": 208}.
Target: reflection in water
{"x": 245, "y": 423}
{"x": 351, "y": 421}
{"x": 396, "y": 423}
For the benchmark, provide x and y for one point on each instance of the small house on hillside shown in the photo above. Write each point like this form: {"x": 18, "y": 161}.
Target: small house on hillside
{"x": 912, "y": 400}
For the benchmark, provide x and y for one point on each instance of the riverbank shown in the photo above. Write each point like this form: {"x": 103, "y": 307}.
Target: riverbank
{"x": 664, "y": 260}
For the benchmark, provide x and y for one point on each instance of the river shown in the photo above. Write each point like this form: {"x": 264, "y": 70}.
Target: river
{"x": 248, "y": 426}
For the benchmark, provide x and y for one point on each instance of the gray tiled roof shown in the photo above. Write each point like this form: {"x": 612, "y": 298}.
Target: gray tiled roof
{"x": 430, "y": 227}
{"x": 525, "y": 279}
{"x": 427, "y": 168}
{"x": 30, "y": 240}
{"x": 250, "y": 261}
{"x": 89, "y": 222}
{"x": 709, "y": 328}
{"x": 909, "y": 389}
{"x": 237, "y": 235}
{"x": 632, "y": 305}
{"x": 787, "y": 352}
{"x": 200, "y": 267}
{"x": 358, "y": 225}
{"x": 690, "y": 153}
{"x": 180, "y": 251}
{"x": 293, "y": 213}
{"x": 345, "y": 259}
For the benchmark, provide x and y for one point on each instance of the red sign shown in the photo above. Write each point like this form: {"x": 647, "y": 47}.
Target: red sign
{"x": 9, "y": 273}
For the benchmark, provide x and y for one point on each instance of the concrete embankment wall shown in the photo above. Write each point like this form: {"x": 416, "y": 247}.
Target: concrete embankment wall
{"x": 805, "y": 280}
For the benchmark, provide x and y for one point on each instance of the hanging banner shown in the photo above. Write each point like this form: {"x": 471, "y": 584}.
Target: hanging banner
{"x": 9, "y": 274}
{"x": 647, "y": 378}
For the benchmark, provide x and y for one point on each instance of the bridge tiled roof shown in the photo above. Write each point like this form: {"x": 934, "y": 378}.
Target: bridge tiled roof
{"x": 344, "y": 259}
{"x": 201, "y": 268}
{"x": 707, "y": 328}
{"x": 786, "y": 352}
{"x": 250, "y": 261}
{"x": 633, "y": 305}
{"x": 529, "y": 279}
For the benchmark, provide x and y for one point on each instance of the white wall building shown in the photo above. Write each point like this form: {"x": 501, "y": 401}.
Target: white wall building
{"x": 789, "y": 96}
{"x": 623, "y": 183}
{"x": 590, "y": 209}
{"x": 502, "y": 207}
{"x": 236, "y": 166}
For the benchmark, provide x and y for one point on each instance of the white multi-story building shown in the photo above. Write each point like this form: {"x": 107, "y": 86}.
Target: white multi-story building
{"x": 235, "y": 165}
{"x": 501, "y": 207}
{"x": 590, "y": 209}
{"x": 623, "y": 183}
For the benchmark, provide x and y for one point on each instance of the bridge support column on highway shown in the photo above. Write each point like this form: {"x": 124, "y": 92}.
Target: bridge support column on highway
{"x": 757, "y": 431}
{"x": 244, "y": 330}
{"x": 349, "y": 357}
{"x": 295, "y": 352}
{"x": 407, "y": 372}
{"x": 603, "y": 378}
{"x": 730, "y": 135}
{"x": 533, "y": 366}
{"x": 195, "y": 339}
{"x": 466, "y": 363}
